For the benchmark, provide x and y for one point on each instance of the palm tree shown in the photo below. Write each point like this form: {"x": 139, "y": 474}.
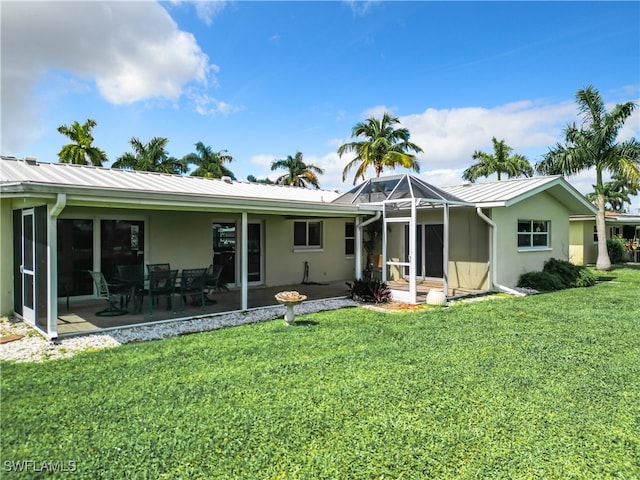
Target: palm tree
{"x": 253, "y": 179}
{"x": 501, "y": 161}
{"x": 299, "y": 173}
{"x": 594, "y": 145}
{"x": 382, "y": 145}
{"x": 150, "y": 157}
{"x": 616, "y": 194}
{"x": 81, "y": 152}
{"x": 209, "y": 163}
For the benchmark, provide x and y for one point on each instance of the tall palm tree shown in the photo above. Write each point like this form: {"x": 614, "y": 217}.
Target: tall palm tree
{"x": 81, "y": 152}
{"x": 209, "y": 164}
{"x": 299, "y": 173}
{"x": 150, "y": 157}
{"x": 594, "y": 145}
{"x": 382, "y": 145}
{"x": 501, "y": 161}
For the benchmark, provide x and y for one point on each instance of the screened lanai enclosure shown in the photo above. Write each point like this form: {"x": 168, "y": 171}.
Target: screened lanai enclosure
{"x": 417, "y": 250}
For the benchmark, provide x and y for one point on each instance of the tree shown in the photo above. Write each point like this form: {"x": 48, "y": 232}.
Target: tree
{"x": 594, "y": 145}
{"x": 381, "y": 146}
{"x": 81, "y": 152}
{"x": 209, "y": 164}
{"x": 501, "y": 161}
{"x": 150, "y": 157}
{"x": 253, "y": 179}
{"x": 616, "y": 193}
{"x": 299, "y": 173}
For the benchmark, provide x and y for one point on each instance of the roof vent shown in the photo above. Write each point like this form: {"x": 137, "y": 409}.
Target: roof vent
{"x": 466, "y": 184}
{"x": 226, "y": 179}
{"x": 31, "y": 160}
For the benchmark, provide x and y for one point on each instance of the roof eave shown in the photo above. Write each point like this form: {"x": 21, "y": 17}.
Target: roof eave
{"x": 161, "y": 200}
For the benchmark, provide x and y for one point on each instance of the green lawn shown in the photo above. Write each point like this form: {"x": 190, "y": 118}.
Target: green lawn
{"x": 546, "y": 386}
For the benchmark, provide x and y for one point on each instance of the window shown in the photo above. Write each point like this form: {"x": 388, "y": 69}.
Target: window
{"x": 307, "y": 234}
{"x": 349, "y": 238}
{"x": 533, "y": 234}
{"x": 595, "y": 234}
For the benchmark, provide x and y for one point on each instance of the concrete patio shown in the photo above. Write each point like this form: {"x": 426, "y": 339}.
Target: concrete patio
{"x": 81, "y": 318}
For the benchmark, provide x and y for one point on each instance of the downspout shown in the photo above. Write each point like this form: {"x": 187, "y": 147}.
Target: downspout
{"x": 371, "y": 220}
{"x": 493, "y": 280}
{"x": 359, "y": 226}
{"x": 52, "y": 259}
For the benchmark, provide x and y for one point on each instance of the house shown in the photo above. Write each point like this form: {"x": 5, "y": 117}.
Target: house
{"x": 479, "y": 236}
{"x": 584, "y": 238}
{"x": 60, "y": 220}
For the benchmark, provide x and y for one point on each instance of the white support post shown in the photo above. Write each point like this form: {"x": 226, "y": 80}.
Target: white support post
{"x": 412, "y": 254}
{"x": 445, "y": 253}
{"x": 244, "y": 261}
{"x": 384, "y": 243}
{"x": 358, "y": 244}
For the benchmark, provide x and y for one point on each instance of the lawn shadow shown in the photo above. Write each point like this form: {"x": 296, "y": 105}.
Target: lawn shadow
{"x": 305, "y": 323}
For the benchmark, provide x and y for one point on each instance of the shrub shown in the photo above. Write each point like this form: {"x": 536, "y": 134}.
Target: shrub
{"x": 557, "y": 275}
{"x": 372, "y": 291}
{"x": 616, "y": 249}
{"x": 541, "y": 281}
{"x": 571, "y": 275}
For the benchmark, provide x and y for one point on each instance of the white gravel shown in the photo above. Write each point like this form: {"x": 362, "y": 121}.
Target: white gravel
{"x": 35, "y": 348}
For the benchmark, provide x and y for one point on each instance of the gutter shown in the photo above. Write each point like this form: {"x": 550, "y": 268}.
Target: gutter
{"x": 52, "y": 259}
{"x": 493, "y": 281}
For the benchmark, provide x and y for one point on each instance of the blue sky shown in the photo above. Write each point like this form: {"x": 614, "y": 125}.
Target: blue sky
{"x": 263, "y": 80}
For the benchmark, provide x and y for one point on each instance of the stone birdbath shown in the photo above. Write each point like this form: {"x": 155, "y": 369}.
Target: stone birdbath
{"x": 289, "y": 299}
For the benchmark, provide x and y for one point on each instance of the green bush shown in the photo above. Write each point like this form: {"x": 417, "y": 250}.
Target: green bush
{"x": 616, "y": 250}
{"x": 571, "y": 275}
{"x": 586, "y": 278}
{"x": 541, "y": 281}
{"x": 557, "y": 275}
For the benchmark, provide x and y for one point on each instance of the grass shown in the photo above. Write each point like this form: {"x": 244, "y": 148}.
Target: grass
{"x": 546, "y": 386}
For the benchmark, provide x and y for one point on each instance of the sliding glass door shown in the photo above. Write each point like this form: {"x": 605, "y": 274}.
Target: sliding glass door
{"x": 121, "y": 243}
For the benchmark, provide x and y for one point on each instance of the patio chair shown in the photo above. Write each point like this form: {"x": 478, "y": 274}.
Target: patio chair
{"x": 133, "y": 276}
{"x": 192, "y": 284}
{"x": 162, "y": 283}
{"x": 212, "y": 279}
{"x": 111, "y": 292}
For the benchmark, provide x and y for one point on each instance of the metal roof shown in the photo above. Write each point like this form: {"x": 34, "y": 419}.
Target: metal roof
{"x": 98, "y": 185}
{"x": 508, "y": 192}
{"x": 15, "y": 171}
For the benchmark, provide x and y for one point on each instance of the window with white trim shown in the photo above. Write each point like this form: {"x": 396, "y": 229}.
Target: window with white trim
{"x": 307, "y": 235}
{"x": 349, "y": 239}
{"x": 533, "y": 234}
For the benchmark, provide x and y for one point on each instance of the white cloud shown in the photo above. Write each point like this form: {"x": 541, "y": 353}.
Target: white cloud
{"x": 132, "y": 51}
{"x": 450, "y": 136}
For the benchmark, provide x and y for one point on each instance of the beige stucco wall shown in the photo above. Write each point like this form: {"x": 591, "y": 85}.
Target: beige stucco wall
{"x": 6, "y": 254}
{"x": 511, "y": 262}
{"x": 185, "y": 240}
{"x": 284, "y": 265}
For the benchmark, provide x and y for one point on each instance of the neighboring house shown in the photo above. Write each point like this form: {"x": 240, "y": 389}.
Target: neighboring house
{"x": 60, "y": 220}
{"x": 584, "y": 238}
